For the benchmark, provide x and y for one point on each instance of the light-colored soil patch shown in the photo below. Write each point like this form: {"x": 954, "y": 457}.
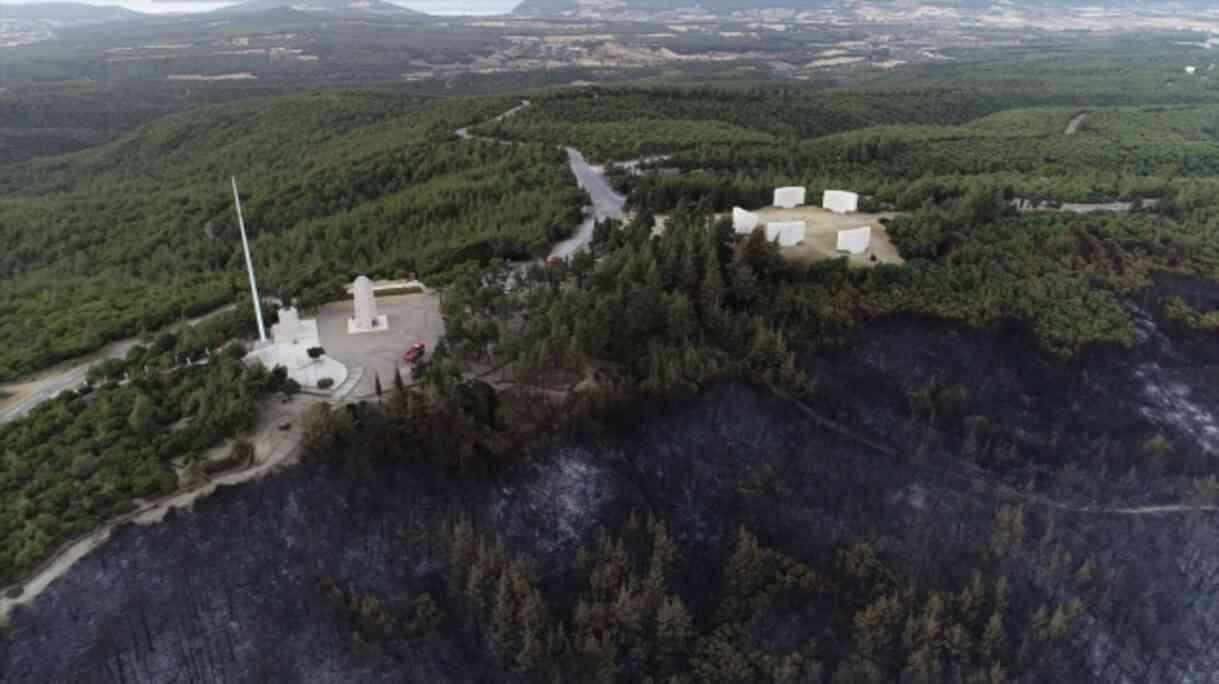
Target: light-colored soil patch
{"x": 1076, "y": 121}
{"x": 412, "y": 318}
{"x": 821, "y": 240}
{"x": 243, "y": 76}
{"x": 834, "y": 61}
{"x": 273, "y": 448}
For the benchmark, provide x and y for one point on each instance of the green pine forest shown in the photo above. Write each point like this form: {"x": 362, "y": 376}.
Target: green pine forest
{"x": 140, "y": 233}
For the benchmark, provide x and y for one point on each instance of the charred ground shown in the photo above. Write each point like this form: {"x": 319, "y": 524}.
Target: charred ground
{"x": 258, "y": 583}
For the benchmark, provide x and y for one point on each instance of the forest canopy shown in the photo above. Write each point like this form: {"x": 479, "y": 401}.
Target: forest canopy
{"x": 139, "y": 233}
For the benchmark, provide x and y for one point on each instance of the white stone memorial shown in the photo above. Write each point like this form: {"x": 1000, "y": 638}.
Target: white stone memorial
{"x": 789, "y": 198}
{"x": 856, "y": 240}
{"x": 840, "y": 201}
{"x": 366, "y": 318}
{"x": 289, "y": 326}
{"x": 788, "y": 233}
{"x": 744, "y": 222}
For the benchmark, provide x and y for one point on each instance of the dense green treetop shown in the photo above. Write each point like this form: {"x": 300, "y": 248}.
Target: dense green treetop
{"x": 142, "y": 232}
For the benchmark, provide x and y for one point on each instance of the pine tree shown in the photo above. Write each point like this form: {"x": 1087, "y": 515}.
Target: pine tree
{"x": 532, "y": 653}
{"x": 994, "y": 639}
{"x": 932, "y": 625}
{"x": 743, "y": 576}
{"x": 377, "y": 384}
{"x": 462, "y": 552}
{"x": 660, "y": 567}
{"x": 503, "y": 620}
{"x": 1040, "y": 624}
{"x": 1061, "y": 623}
{"x": 1003, "y": 595}
{"x": 971, "y": 599}
{"x": 959, "y": 644}
{"x": 876, "y": 627}
{"x": 674, "y": 630}
{"x": 712, "y": 290}
{"x": 1085, "y": 574}
{"x": 923, "y": 665}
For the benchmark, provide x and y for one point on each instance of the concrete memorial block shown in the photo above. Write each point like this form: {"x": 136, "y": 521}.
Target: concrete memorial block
{"x": 840, "y": 201}
{"x": 790, "y": 197}
{"x": 856, "y": 240}
{"x": 744, "y": 222}
{"x": 289, "y": 326}
{"x": 792, "y": 234}
{"x": 788, "y": 233}
{"x": 366, "y": 318}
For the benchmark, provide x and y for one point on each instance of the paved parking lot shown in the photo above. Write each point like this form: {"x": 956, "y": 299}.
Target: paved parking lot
{"x": 412, "y": 318}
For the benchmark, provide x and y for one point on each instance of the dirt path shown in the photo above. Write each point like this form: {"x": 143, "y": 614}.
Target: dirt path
{"x": 273, "y": 448}
{"x": 1076, "y": 122}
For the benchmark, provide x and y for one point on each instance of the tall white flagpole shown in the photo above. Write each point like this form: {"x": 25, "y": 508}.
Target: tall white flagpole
{"x": 249, "y": 265}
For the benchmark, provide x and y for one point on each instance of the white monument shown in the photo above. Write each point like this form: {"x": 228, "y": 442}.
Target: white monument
{"x": 289, "y": 326}
{"x": 366, "y": 319}
{"x": 789, "y": 198}
{"x": 789, "y": 233}
{"x": 840, "y": 201}
{"x": 744, "y": 221}
{"x": 856, "y": 240}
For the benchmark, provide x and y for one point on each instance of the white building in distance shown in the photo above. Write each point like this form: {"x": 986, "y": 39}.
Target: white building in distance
{"x": 856, "y": 240}
{"x": 366, "y": 318}
{"x": 840, "y": 201}
{"x": 789, "y": 198}
{"x": 789, "y": 234}
{"x": 743, "y": 221}
{"x": 1191, "y": 70}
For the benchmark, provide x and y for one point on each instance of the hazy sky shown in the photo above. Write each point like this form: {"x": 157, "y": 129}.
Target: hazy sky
{"x": 429, "y": 6}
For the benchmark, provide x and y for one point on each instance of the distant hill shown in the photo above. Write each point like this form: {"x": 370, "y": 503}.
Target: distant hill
{"x": 643, "y": 9}
{"x": 68, "y": 13}
{"x": 329, "y": 6}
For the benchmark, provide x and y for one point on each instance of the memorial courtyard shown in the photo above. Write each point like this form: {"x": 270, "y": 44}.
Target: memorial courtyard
{"x": 411, "y": 318}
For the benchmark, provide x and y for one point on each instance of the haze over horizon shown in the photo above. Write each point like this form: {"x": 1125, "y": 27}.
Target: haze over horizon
{"x": 435, "y": 7}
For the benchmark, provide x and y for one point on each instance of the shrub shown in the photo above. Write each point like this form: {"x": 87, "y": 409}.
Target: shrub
{"x": 316, "y": 352}
{"x": 325, "y": 383}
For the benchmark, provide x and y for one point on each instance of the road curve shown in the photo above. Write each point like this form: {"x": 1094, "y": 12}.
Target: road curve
{"x": 34, "y": 392}
{"x": 606, "y": 203}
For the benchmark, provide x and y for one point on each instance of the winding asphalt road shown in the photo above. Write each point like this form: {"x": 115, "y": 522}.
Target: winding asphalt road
{"x": 34, "y": 392}
{"x": 606, "y": 203}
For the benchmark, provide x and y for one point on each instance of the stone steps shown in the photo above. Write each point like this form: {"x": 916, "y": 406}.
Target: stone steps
{"x": 353, "y": 378}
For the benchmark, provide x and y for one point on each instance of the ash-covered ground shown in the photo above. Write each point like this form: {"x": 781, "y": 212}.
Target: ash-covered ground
{"x": 918, "y": 434}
